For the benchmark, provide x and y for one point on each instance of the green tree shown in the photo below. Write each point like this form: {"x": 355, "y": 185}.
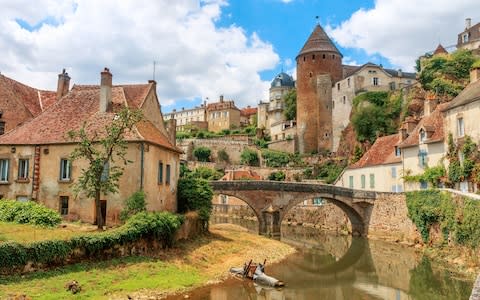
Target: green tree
{"x": 195, "y": 194}
{"x": 105, "y": 154}
{"x": 290, "y": 100}
{"x": 133, "y": 205}
{"x": 202, "y": 153}
{"x": 249, "y": 157}
{"x": 222, "y": 155}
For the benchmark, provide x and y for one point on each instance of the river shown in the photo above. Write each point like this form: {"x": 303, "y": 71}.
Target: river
{"x": 329, "y": 266}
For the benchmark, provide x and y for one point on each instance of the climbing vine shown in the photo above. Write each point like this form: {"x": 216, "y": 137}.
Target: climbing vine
{"x": 464, "y": 160}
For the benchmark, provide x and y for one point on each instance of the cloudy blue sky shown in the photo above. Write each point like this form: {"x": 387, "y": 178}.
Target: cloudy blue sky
{"x": 206, "y": 48}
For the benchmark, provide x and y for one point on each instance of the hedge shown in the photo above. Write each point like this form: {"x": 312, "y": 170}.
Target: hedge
{"x": 28, "y": 212}
{"x": 158, "y": 225}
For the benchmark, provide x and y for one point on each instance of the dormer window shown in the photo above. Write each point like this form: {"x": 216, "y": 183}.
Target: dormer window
{"x": 422, "y": 135}
{"x": 465, "y": 38}
{"x": 398, "y": 151}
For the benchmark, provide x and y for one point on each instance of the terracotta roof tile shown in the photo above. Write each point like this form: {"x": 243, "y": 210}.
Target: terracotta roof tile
{"x": 81, "y": 105}
{"x": 136, "y": 93}
{"x": 248, "y": 111}
{"x": 432, "y": 124}
{"x": 382, "y": 152}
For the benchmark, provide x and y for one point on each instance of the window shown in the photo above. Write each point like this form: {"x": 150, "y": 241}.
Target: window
{"x": 2, "y": 127}
{"x": 167, "y": 180}
{"x": 362, "y": 179}
{"x": 323, "y": 56}
{"x": 22, "y": 169}
{"x": 313, "y": 56}
{"x": 375, "y": 80}
{"x": 160, "y": 172}
{"x": 460, "y": 127}
{"x": 422, "y": 158}
{"x": 422, "y": 135}
{"x": 344, "y": 99}
{"x": 65, "y": 169}
{"x": 333, "y": 104}
{"x": 318, "y": 201}
{"x": 350, "y": 182}
{"x": 4, "y": 170}
{"x": 105, "y": 172}
{"x": 63, "y": 205}
{"x": 338, "y": 86}
{"x": 392, "y": 86}
{"x": 394, "y": 172}
{"x": 372, "y": 181}
{"x": 398, "y": 151}
{"x": 465, "y": 38}
{"x": 348, "y": 82}
{"x": 333, "y": 56}
{"x": 423, "y": 185}
{"x": 223, "y": 199}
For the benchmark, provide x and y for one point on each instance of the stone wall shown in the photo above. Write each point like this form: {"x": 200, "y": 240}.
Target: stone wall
{"x": 234, "y": 148}
{"x": 328, "y": 217}
{"x": 289, "y": 146}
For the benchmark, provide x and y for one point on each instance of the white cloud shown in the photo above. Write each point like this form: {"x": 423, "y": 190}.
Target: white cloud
{"x": 194, "y": 56}
{"x": 286, "y": 1}
{"x": 402, "y": 30}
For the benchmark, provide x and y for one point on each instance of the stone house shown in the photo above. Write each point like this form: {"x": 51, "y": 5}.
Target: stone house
{"x": 379, "y": 169}
{"x": 20, "y": 103}
{"x": 248, "y": 116}
{"x": 369, "y": 77}
{"x": 422, "y": 142}
{"x": 195, "y": 117}
{"x": 461, "y": 116}
{"x": 34, "y": 157}
{"x": 469, "y": 38}
{"x": 222, "y": 115}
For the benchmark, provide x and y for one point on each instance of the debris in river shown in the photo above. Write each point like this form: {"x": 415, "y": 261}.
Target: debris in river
{"x": 256, "y": 272}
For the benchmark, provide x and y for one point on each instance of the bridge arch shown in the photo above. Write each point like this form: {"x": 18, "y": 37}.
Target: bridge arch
{"x": 271, "y": 200}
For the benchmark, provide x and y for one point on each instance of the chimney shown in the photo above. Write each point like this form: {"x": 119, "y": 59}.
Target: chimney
{"x": 221, "y": 98}
{"x": 399, "y": 73}
{"x": 409, "y": 124}
{"x": 430, "y": 103}
{"x": 474, "y": 74}
{"x": 172, "y": 130}
{"x": 105, "y": 90}
{"x": 63, "y": 84}
{"x": 468, "y": 23}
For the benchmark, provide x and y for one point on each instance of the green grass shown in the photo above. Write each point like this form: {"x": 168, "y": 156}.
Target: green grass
{"x": 101, "y": 280}
{"x": 25, "y": 233}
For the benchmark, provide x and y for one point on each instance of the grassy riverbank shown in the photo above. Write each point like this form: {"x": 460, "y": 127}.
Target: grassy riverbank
{"x": 190, "y": 264}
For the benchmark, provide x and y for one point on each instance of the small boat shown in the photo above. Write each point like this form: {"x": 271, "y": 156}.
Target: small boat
{"x": 256, "y": 272}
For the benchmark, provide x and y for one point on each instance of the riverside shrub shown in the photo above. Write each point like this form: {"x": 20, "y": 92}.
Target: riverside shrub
{"x": 28, "y": 212}
{"x": 157, "y": 225}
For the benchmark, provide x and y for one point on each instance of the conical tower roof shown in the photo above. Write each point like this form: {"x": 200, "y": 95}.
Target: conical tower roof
{"x": 319, "y": 41}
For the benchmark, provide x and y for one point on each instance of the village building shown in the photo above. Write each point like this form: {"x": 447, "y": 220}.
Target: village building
{"x": 469, "y": 38}
{"x": 248, "y": 116}
{"x": 367, "y": 78}
{"x": 20, "y": 103}
{"x": 379, "y": 169}
{"x": 461, "y": 117}
{"x": 189, "y": 119}
{"x": 222, "y": 115}
{"x": 35, "y": 163}
{"x": 422, "y": 142}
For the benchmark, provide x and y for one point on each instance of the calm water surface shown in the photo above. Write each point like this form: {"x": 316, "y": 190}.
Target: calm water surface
{"x": 341, "y": 267}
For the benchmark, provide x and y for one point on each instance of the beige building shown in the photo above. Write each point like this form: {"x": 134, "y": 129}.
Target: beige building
{"x": 248, "y": 116}
{"x": 422, "y": 143}
{"x": 34, "y": 157}
{"x": 222, "y": 115}
{"x": 369, "y": 77}
{"x": 379, "y": 169}
{"x": 462, "y": 114}
{"x": 194, "y": 118}
{"x": 469, "y": 38}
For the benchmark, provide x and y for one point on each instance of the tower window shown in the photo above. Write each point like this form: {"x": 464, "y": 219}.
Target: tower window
{"x": 333, "y": 56}
{"x": 323, "y": 56}
{"x": 313, "y": 56}
{"x": 304, "y": 58}
{"x": 310, "y": 74}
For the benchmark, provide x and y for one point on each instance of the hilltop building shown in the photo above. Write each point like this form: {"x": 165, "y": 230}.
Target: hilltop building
{"x": 222, "y": 115}
{"x": 34, "y": 157}
{"x": 469, "y": 38}
{"x": 248, "y": 116}
{"x": 195, "y": 118}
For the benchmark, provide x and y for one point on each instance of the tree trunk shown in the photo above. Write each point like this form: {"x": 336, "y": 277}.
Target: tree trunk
{"x": 98, "y": 209}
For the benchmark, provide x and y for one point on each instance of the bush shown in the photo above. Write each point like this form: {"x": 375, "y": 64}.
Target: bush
{"x": 275, "y": 159}
{"x": 205, "y": 173}
{"x": 222, "y": 155}
{"x": 249, "y": 157}
{"x": 195, "y": 194}
{"x": 330, "y": 170}
{"x": 157, "y": 225}
{"x": 277, "y": 176}
{"x": 133, "y": 205}
{"x": 28, "y": 212}
{"x": 202, "y": 153}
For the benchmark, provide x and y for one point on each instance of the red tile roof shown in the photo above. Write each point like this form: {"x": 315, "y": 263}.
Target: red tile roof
{"x": 81, "y": 105}
{"x": 440, "y": 50}
{"x": 248, "y": 111}
{"x": 432, "y": 124}
{"x": 382, "y": 152}
{"x": 33, "y": 99}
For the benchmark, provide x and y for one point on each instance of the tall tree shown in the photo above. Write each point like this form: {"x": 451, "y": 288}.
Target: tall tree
{"x": 102, "y": 150}
{"x": 290, "y": 100}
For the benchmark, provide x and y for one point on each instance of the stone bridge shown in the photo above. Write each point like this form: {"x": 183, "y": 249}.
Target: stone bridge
{"x": 271, "y": 200}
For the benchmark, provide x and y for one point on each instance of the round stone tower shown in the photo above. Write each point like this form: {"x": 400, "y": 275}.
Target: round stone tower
{"x": 319, "y": 66}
